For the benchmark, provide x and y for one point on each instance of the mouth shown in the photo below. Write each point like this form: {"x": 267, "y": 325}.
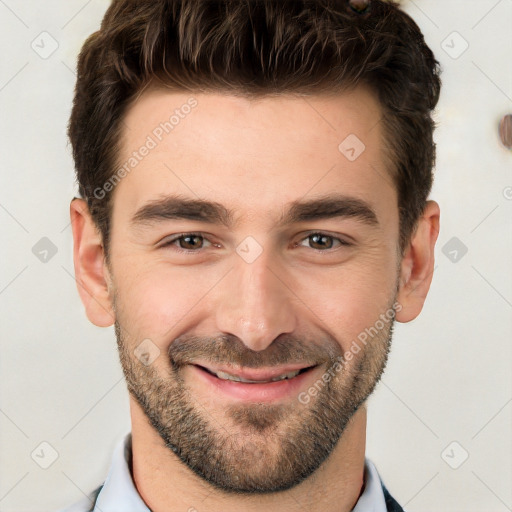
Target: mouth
{"x": 254, "y": 385}
{"x": 238, "y": 377}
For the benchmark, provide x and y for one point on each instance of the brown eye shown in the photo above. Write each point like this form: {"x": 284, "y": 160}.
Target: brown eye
{"x": 323, "y": 241}
{"x": 319, "y": 241}
{"x": 192, "y": 242}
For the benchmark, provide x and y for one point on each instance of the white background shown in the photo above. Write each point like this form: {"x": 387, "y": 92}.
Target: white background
{"x": 449, "y": 374}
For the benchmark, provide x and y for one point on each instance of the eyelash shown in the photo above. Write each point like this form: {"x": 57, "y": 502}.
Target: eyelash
{"x": 172, "y": 241}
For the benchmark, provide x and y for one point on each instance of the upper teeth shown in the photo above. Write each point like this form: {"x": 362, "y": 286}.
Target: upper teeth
{"x": 227, "y": 376}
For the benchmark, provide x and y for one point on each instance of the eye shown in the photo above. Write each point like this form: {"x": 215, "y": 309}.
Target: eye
{"x": 323, "y": 241}
{"x": 187, "y": 242}
{"x": 194, "y": 242}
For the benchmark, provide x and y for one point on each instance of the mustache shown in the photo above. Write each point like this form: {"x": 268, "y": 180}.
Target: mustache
{"x": 229, "y": 349}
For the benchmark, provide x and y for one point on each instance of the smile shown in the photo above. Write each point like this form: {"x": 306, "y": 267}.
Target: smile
{"x": 253, "y": 385}
{"x": 227, "y": 376}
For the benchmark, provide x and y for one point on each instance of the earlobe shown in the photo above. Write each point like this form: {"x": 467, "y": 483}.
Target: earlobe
{"x": 92, "y": 281}
{"x": 417, "y": 265}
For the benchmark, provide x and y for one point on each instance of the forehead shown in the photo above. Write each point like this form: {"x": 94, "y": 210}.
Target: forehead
{"x": 255, "y": 154}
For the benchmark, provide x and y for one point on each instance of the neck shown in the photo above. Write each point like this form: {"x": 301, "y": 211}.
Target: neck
{"x": 166, "y": 484}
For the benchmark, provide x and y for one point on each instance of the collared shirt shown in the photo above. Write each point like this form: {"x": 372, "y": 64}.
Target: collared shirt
{"x": 119, "y": 494}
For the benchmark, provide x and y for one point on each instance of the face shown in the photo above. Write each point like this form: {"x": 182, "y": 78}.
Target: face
{"x": 246, "y": 243}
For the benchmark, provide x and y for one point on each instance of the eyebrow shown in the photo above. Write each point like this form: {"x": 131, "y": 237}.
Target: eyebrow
{"x": 201, "y": 210}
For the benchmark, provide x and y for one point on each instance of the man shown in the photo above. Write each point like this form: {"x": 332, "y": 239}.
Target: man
{"x": 254, "y": 217}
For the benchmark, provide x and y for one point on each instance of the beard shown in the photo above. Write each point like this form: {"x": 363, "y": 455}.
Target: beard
{"x": 256, "y": 448}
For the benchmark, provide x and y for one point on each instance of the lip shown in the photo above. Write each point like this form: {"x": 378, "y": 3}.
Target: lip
{"x": 254, "y": 373}
{"x": 255, "y": 392}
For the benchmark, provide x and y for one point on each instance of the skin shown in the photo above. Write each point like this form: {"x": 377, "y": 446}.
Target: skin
{"x": 300, "y": 300}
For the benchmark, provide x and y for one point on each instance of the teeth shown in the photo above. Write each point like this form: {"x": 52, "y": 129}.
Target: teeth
{"x": 227, "y": 376}
{"x": 286, "y": 376}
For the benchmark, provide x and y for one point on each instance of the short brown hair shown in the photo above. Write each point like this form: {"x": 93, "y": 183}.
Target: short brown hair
{"x": 257, "y": 47}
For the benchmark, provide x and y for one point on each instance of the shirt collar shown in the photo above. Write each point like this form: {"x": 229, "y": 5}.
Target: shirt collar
{"x": 119, "y": 493}
{"x": 372, "y": 499}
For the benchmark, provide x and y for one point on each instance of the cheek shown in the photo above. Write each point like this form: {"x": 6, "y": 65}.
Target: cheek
{"x": 350, "y": 299}
{"x": 160, "y": 302}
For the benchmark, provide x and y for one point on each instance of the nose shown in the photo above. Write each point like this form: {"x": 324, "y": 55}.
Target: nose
{"x": 255, "y": 304}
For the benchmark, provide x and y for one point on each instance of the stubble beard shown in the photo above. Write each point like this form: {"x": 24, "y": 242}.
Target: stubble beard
{"x": 260, "y": 448}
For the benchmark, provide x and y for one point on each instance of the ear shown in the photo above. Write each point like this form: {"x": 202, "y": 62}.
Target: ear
{"x": 417, "y": 265}
{"x": 91, "y": 272}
